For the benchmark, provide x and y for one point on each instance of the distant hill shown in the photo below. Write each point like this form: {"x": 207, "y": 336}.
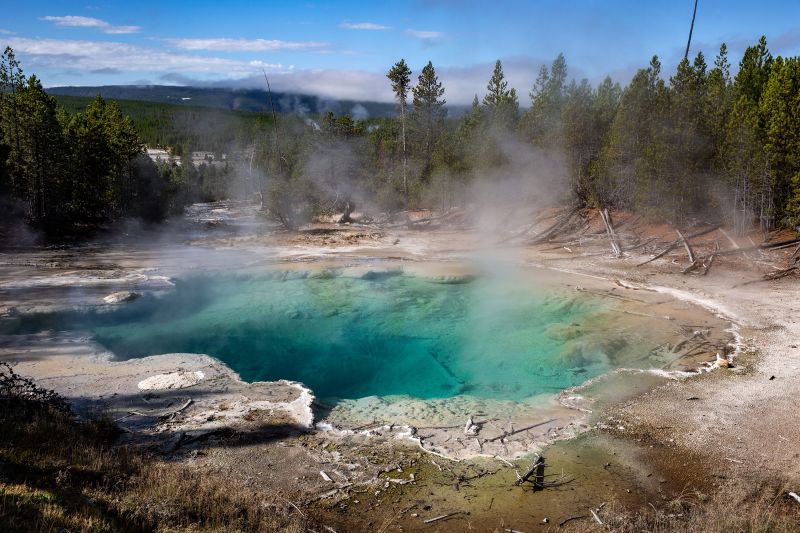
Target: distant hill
{"x": 247, "y": 100}
{"x": 252, "y": 100}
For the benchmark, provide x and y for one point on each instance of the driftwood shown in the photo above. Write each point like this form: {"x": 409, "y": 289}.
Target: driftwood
{"x": 640, "y": 245}
{"x": 437, "y": 518}
{"x": 696, "y": 263}
{"x": 686, "y": 245}
{"x": 444, "y": 217}
{"x": 763, "y": 246}
{"x": 610, "y": 231}
{"x": 509, "y": 433}
{"x": 674, "y": 244}
{"x": 778, "y": 274}
{"x": 705, "y": 263}
{"x": 536, "y": 220}
{"x": 171, "y": 415}
{"x": 554, "y": 229}
{"x": 537, "y": 471}
{"x": 710, "y": 262}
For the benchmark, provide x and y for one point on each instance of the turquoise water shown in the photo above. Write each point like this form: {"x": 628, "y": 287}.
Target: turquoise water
{"x": 353, "y": 337}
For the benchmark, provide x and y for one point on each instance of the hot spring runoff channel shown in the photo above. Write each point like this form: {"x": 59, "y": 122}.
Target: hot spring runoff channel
{"x": 380, "y": 334}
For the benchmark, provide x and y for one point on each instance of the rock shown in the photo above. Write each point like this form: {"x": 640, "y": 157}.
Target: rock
{"x": 471, "y": 428}
{"x": 173, "y": 380}
{"x": 722, "y": 362}
{"x": 121, "y": 297}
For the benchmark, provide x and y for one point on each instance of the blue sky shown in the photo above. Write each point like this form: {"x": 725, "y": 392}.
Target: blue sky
{"x": 343, "y": 49}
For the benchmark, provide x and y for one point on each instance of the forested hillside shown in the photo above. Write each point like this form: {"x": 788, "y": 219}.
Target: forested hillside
{"x": 695, "y": 143}
{"x": 253, "y": 100}
{"x": 182, "y": 128}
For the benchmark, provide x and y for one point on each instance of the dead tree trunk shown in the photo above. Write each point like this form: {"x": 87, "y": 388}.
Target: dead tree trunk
{"x": 686, "y": 245}
{"x": 537, "y": 471}
{"x": 612, "y": 236}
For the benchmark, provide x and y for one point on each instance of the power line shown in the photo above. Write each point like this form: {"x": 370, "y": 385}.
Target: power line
{"x": 691, "y": 29}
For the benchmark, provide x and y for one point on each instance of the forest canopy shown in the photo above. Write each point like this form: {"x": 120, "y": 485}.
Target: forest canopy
{"x": 698, "y": 143}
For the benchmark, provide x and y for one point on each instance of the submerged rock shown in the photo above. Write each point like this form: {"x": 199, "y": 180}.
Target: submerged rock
{"x": 379, "y": 275}
{"x": 562, "y": 332}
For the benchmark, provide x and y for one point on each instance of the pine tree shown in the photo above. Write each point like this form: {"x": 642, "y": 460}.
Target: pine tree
{"x": 541, "y": 124}
{"x": 780, "y": 109}
{"x": 743, "y": 159}
{"x": 501, "y": 103}
{"x": 689, "y": 155}
{"x": 428, "y": 115}
{"x": 400, "y": 77}
{"x": 33, "y": 137}
{"x": 630, "y": 173}
{"x": 578, "y": 135}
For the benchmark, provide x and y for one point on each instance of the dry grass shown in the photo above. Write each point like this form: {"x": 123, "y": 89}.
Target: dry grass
{"x": 768, "y": 509}
{"x": 58, "y": 474}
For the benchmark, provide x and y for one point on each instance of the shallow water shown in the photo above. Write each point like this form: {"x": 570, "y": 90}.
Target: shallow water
{"x": 380, "y": 334}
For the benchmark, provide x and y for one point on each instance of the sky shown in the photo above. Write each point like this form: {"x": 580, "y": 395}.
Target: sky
{"x": 343, "y": 49}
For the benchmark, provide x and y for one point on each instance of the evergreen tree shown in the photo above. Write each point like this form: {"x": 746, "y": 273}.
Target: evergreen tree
{"x": 578, "y": 134}
{"x": 780, "y": 109}
{"x": 400, "y": 77}
{"x": 33, "y": 136}
{"x": 500, "y": 103}
{"x": 629, "y": 173}
{"x": 743, "y": 159}
{"x": 428, "y": 115}
{"x": 541, "y": 124}
{"x": 688, "y": 146}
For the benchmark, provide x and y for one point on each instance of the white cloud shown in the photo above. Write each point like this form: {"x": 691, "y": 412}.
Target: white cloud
{"x": 6, "y": 32}
{"x": 72, "y": 21}
{"x": 363, "y": 26}
{"x": 326, "y": 83}
{"x": 425, "y": 35}
{"x": 85, "y": 56}
{"x": 245, "y": 45}
{"x": 68, "y": 59}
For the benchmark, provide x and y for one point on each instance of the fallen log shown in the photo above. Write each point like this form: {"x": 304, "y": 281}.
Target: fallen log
{"x": 509, "y": 433}
{"x": 554, "y": 229}
{"x": 778, "y": 274}
{"x": 171, "y": 415}
{"x": 640, "y": 245}
{"x": 763, "y": 246}
{"x": 610, "y": 231}
{"x": 696, "y": 263}
{"x": 674, "y": 244}
{"x": 537, "y": 470}
{"x": 437, "y": 518}
{"x": 686, "y": 245}
{"x": 710, "y": 261}
{"x": 536, "y": 220}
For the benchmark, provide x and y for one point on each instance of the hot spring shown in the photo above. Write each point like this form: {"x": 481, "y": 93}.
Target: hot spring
{"x": 385, "y": 333}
